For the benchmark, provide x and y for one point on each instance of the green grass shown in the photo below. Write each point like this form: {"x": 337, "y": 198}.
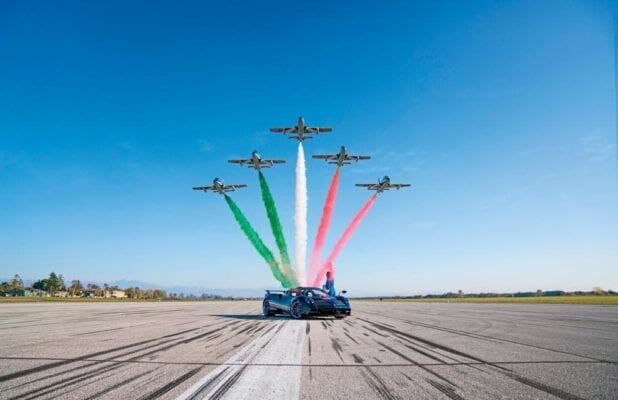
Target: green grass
{"x": 601, "y": 300}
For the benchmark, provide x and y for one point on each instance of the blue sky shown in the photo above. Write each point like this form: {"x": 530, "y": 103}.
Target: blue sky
{"x": 501, "y": 114}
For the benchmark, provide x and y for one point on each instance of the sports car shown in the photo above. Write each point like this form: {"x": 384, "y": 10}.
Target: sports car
{"x": 304, "y": 302}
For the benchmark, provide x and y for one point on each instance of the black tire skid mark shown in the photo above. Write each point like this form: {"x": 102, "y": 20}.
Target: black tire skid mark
{"x": 351, "y": 337}
{"x": 446, "y": 390}
{"x": 44, "y": 367}
{"x": 324, "y": 325}
{"x": 334, "y": 343}
{"x": 426, "y": 351}
{"x": 377, "y": 384}
{"x": 202, "y": 390}
{"x": 484, "y": 337}
{"x": 545, "y": 388}
{"x": 120, "y": 384}
{"x": 100, "y": 331}
{"x": 166, "y": 388}
{"x": 411, "y": 361}
{"x": 432, "y": 344}
{"x": 234, "y": 377}
{"x": 66, "y": 382}
{"x": 504, "y": 371}
{"x": 374, "y": 331}
{"x": 228, "y": 384}
{"x": 309, "y": 346}
{"x": 89, "y": 374}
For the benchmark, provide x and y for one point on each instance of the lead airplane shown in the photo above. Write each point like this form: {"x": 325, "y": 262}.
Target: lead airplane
{"x": 341, "y": 159}
{"x": 219, "y": 187}
{"x": 256, "y": 162}
{"x": 301, "y": 131}
{"x": 383, "y": 184}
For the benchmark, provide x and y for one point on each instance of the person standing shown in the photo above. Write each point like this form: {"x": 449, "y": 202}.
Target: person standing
{"x": 329, "y": 286}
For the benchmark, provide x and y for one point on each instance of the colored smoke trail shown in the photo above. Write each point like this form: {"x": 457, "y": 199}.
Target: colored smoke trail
{"x": 257, "y": 242}
{"x": 349, "y": 230}
{"x": 300, "y": 216}
{"x": 327, "y": 214}
{"x": 275, "y": 225}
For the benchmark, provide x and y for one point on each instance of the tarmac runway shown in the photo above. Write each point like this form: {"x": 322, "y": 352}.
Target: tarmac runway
{"x": 384, "y": 350}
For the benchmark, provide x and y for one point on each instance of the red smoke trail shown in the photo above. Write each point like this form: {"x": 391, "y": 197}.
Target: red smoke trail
{"x": 327, "y": 214}
{"x": 351, "y": 228}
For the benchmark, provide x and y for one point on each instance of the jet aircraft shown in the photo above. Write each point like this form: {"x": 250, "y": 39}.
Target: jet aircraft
{"x": 301, "y": 131}
{"x": 219, "y": 187}
{"x": 342, "y": 158}
{"x": 383, "y": 184}
{"x": 256, "y": 162}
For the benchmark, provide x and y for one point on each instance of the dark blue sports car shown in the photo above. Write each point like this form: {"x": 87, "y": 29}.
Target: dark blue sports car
{"x": 304, "y": 302}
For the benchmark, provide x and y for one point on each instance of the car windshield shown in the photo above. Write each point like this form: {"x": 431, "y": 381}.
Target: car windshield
{"x": 315, "y": 293}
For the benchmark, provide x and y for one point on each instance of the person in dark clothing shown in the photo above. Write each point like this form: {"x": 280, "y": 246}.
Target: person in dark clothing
{"x": 329, "y": 286}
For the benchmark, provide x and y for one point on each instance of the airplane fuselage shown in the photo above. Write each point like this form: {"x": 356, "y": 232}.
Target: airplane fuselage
{"x": 384, "y": 183}
{"x": 256, "y": 160}
{"x": 341, "y": 157}
{"x": 301, "y": 125}
{"x": 218, "y": 186}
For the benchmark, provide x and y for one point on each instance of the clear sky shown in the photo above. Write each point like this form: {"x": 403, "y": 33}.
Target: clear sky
{"x": 501, "y": 114}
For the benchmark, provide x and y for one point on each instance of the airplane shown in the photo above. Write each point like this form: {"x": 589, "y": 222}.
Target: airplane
{"x": 256, "y": 162}
{"x": 342, "y": 158}
{"x": 301, "y": 131}
{"x": 219, "y": 187}
{"x": 383, "y": 184}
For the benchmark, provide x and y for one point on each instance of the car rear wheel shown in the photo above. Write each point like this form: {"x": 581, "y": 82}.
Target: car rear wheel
{"x": 295, "y": 310}
{"x": 266, "y": 310}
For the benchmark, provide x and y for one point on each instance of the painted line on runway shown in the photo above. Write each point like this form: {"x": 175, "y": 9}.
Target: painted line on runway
{"x": 240, "y": 377}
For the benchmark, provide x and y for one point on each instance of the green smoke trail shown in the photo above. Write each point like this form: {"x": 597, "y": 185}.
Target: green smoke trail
{"x": 257, "y": 242}
{"x": 275, "y": 225}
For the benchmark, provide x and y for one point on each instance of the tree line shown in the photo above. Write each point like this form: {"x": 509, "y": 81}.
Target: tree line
{"x": 55, "y": 284}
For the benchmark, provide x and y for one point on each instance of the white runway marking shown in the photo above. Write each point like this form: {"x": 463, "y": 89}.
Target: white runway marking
{"x": 282, "y": 345}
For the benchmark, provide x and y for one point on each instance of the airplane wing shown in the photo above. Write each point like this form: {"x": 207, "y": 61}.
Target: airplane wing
{"x": 399, "y": 185}
{"x": 325, "y": 156}
{"x": 357, "y": 158}
{"x": 283, "y": 130}
{"x": 241, "y": 162}
{"x": 204, "y": 188}
{"x": 370, "y": 186}
{"x": 315, "y": 129}
{"x": 231, "y": 188}
{"x": 273, "y": 161}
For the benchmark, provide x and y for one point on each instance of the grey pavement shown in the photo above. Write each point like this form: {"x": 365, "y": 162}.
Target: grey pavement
{"x": 383, "y": 351}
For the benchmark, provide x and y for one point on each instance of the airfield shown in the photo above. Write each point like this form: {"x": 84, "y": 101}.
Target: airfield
{"x": 385, "y": 350}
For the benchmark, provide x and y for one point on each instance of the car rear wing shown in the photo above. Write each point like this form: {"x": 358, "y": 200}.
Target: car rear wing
{"x": 268, "y": 291}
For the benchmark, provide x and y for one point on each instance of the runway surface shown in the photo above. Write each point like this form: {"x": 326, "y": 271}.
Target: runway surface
{"x": 383, "y": 351}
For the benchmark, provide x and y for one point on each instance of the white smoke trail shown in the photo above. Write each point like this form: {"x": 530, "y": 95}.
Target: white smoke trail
{"x": 300, "y": 216}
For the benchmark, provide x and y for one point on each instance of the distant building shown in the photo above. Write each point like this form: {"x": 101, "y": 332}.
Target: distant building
{"x": 118, "y": 294}
{"x": 61, "y": 293}
{"x": 20, "y": 292}
{"x": 89, "y": 293}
